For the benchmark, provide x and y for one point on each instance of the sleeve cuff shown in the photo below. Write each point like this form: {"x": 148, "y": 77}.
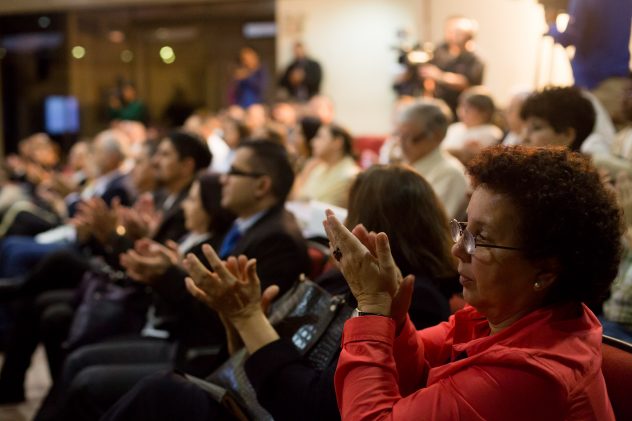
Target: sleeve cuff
{"x": 267, "y": 361}
{"x": 369, "y": 328}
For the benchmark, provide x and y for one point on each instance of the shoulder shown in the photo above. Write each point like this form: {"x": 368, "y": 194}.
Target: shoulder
{"x": 277, "y": 222}
{"x": 452, "y": 166}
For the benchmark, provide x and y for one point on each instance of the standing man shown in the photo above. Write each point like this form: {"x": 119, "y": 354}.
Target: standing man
{"x": 302, "y": 77}
{"x": 600, "y": 32}
{"x": 454, "y": 66}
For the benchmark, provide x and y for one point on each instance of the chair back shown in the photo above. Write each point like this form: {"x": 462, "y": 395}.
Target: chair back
{"x": 318, "y": 256}
{"x": 617, "y": 372}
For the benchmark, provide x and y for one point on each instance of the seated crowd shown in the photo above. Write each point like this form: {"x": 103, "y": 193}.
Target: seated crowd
{"x": 471, "y": 320}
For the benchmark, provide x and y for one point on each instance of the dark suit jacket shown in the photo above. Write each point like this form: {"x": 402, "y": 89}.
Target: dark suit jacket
{"x": 172, "y": 225}
{"x": 277, "y": 243}
{"x": 117, "y": 187}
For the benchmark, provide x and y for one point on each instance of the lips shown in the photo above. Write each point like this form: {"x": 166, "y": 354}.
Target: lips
{"x": 464, "y": 280}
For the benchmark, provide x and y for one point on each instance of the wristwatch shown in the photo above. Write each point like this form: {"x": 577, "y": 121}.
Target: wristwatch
{"x": 357, "y": 313}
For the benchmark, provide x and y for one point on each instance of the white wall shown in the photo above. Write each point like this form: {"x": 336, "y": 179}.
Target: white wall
{"x": 352, "y": 39}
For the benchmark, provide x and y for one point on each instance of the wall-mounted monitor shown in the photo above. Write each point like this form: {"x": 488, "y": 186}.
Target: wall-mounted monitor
{"x": 61, "y": 114}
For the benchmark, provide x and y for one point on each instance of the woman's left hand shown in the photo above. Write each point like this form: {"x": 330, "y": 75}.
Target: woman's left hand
{"x": 233, "y": 289}
{"x": 366, "y": 262}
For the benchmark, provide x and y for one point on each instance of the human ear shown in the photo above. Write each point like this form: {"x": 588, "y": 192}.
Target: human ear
{"x": 548, "y": 273}
{"x": 188, "y": 164}
{"x": 263, "y": 186}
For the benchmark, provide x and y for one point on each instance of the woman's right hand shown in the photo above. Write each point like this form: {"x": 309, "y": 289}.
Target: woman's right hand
{"x": 366, "y": 263}
{"x": 233, "y": 289}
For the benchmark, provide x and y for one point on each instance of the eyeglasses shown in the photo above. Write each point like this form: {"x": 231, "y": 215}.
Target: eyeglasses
{"x": 234, "y": 171}
{"x": 459, "y": 232}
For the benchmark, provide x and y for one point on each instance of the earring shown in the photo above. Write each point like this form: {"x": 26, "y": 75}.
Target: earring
{"x": 537, "y": 285}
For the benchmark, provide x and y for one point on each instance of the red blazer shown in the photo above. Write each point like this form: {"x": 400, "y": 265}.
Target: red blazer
{"x": 546, "y": 366}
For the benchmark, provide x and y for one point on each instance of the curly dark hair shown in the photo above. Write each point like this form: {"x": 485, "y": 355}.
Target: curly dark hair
{"x": 562, "y": 108}
{"x": 564, "y": 212}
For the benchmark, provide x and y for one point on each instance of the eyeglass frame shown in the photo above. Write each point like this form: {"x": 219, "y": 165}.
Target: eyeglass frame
{"x": 240, "y": 173}
{"x": 464, "y": 234}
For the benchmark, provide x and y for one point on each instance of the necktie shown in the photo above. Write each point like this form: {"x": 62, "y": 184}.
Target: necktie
{"x": 230, "y": 241}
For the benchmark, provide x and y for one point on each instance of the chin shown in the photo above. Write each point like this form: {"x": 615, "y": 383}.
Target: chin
{"x": 469, "y": 297}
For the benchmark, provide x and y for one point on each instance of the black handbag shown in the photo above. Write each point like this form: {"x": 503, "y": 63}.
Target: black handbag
{"x": 311, "y": 318}
{"x": 108, "y": 306}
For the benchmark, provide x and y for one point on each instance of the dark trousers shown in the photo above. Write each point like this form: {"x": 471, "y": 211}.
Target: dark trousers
{"x": 41, "y": 317}
{"x": 95, "y": 376}
{"x": 167, "y": 397}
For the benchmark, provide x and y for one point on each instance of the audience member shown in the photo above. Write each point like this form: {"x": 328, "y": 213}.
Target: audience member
{"x": 19, "y": 251}
{"x": 332, "y": 169}
{"x": 421, "y": 129}
{"x": 299, "y": 142}
{"x": 621, "y": 148}
{"x": 321, "y": 107}
{"x": 526, "y": 271}
{"x": 286, "y": 385}
{"x": 391, "y": 149}
{"x": 176, "y": 162}
{"x": 208, "y": 126}
{"x": 515, "y": 123}
{"x": 233, "y": 133}
{"x": 558, "y": 116}
{"x": 94, "y": 376}
{"x": 476, "y": 129}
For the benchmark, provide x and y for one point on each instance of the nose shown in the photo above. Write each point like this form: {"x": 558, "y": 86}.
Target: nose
{"x": 458, "y": 251}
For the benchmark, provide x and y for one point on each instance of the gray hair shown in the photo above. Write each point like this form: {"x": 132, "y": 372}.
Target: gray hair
{"x": 433, "y": 115}
{"x": 114, "y": 142}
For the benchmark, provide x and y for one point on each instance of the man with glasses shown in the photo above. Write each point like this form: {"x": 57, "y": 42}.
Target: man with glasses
{"x": 421, "y": 128}
{"x": 255, "y": 189}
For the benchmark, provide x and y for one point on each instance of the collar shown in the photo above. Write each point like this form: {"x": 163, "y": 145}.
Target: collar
{"x": 244, "y": 224}
{"x": 428, "y": 162}
{"x": 101, "y": 184}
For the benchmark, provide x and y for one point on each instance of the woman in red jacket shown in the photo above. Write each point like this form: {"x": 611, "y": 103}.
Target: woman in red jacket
{"x": 542, "y": 239}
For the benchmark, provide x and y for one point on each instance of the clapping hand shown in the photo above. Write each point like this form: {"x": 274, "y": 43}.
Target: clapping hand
{"x": 233, "y": 289}
{"x": 141, "y": 220}
{"x": 367, "y": 264}
{"x": 149, "y": 259}
{"x": 102, "y": 220}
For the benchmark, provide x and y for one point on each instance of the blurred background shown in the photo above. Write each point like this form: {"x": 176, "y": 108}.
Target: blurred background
{"x": 62, "y": 62}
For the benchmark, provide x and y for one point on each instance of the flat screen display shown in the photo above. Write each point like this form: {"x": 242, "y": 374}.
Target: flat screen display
{"x": 61, "y": 114}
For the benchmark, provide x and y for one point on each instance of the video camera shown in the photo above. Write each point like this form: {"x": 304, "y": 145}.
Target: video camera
{"x": 414, "y": 56}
